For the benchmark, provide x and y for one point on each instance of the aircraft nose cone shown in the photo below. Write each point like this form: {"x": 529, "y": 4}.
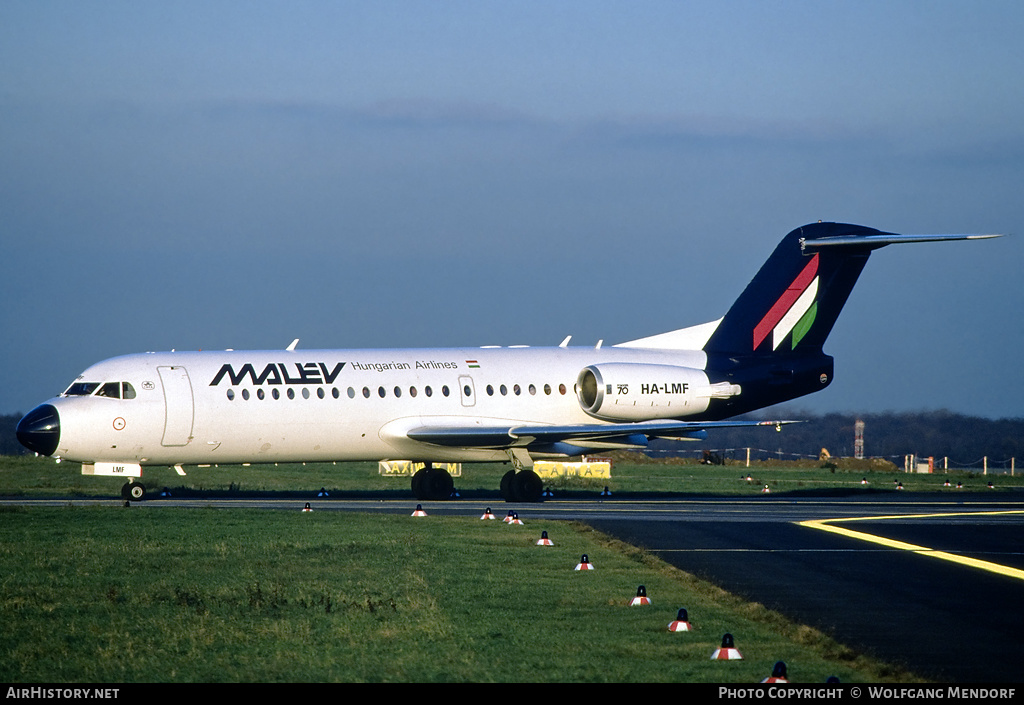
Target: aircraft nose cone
{"x": 39, "y": 431}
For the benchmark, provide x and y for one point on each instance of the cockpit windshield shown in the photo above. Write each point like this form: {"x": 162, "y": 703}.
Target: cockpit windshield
{"x": 112, "y": 390}
{"x": 81, "y": 389}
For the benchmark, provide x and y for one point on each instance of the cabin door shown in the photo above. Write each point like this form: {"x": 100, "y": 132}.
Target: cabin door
{"x": 178, "y": 406}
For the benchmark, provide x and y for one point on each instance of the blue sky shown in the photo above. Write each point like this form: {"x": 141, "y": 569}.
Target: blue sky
{"x": 219, "y": 174}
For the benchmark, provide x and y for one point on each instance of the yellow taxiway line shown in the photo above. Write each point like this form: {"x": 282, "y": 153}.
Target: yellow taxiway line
{"x": 828, "y": 525}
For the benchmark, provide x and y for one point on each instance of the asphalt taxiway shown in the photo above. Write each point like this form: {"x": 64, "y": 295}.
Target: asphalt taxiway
{"x": 932, "y": 581}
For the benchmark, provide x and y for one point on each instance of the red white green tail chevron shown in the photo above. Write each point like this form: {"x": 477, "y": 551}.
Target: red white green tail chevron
{"x": 792, "y": 303}
{"x": 793, "y": 312}
{"x": 790, "y": 306}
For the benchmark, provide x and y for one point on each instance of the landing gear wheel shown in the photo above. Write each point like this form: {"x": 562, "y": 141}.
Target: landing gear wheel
{"x": 133, "y": 490}
{"x": 522, "y": 486}
{"x": 528, "y": 486}
{"x": 432, "y": 483}
{"x": 417, "y": 483}
{"x": 506, "y": 486}
{"x": 438, "y": 484}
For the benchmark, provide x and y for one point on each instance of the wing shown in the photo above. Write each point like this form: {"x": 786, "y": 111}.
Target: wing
{"x": 571, "y": 440}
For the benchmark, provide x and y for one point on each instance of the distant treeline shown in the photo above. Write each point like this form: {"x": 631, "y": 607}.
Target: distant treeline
{"x": 965, "y": 440}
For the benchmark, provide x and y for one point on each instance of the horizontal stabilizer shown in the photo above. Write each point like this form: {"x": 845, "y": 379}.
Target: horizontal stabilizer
{"x": 883, "y": 239}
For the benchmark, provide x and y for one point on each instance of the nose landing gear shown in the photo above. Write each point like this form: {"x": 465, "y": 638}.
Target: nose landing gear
{"x": 133, "y": 491}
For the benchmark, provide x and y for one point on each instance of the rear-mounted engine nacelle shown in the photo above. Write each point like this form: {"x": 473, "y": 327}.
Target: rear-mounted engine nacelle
{"x": 624, "y": 391}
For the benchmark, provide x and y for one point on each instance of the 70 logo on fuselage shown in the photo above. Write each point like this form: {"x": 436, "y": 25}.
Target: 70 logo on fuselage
{"x": 667, "y": 388}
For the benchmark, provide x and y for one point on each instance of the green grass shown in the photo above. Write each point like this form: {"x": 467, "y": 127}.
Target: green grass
{"x": 114, "y": 595}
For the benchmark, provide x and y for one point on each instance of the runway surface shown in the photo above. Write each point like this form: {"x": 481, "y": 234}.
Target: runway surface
{"x": 933, "y": 582}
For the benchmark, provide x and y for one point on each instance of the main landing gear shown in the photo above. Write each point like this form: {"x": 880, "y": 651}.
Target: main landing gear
{"x": 432, "y": 483}
{"x": 521, "y": 483}
{"x": 522, "y": 486}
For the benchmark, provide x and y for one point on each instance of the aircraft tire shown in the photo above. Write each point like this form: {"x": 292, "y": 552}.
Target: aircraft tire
{"x": 417, "y": 483}
{"x": 527, "y": 486}
{"x": 438, "y": 484}
{"x": 434, "y": 484}
{"x": 507, "y": 492}
{"x": 133, "y": 490}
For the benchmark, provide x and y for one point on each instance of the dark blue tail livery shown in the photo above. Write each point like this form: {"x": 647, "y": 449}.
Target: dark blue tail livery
{"x": 770, "y": 342}
{"x": 793, "y": 302}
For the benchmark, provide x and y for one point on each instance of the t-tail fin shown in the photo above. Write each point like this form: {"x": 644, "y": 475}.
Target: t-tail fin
{"x": 794, "y": 300}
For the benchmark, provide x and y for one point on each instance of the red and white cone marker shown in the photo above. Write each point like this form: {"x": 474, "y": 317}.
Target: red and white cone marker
{"x": 513, "y": 518}
{"x": 584, "y": 563}
{"x": 307, "y": 508}
{"x": 778, "y": 674}
{"x": 680, "y": 623}
{"x": 864, "y": 481}
{"x": 641, "y": 597}
{"x": 765, "y": 490}
{"x": 487, "y": 514}
{"x": 728, "y": 651}
{"x": 544, "y": 540}
{"x": 419, "y": 511}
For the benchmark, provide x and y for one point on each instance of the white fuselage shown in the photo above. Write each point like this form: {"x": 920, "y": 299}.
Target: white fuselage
{"x": 470, "y": 404}
{"x": 323, "y": 405}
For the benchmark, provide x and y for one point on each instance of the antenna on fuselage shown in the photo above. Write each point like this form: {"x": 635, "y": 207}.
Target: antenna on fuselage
{"x": 292, "y": 346}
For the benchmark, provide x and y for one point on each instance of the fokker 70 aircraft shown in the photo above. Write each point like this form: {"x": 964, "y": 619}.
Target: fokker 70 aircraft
{"x": 514, "y": 404}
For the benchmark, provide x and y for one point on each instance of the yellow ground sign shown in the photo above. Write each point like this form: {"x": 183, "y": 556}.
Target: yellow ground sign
{"x": 588, "y": 468}
{"x": 407, "y": 468}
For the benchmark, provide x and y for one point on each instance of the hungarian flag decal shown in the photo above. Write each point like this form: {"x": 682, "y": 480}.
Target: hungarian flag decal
{"x": 793, "y": 312}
